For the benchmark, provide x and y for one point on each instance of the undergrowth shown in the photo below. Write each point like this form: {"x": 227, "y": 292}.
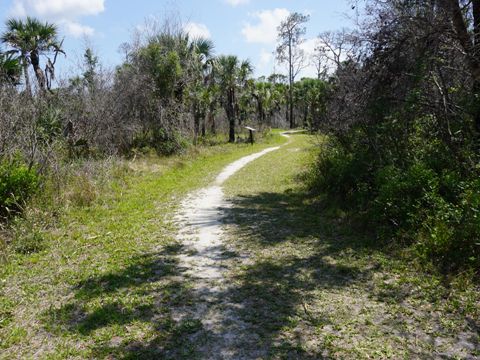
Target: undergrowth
{"x": 425, "y": 202}
{"x": 95, "y": 275}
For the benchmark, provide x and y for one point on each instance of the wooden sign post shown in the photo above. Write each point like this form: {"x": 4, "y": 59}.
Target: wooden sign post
{"x": 251, "y": 130}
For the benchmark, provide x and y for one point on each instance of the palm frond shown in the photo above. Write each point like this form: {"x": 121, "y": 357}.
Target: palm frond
{"x": 10, "y": 68}
{"x": 203, "y": 46}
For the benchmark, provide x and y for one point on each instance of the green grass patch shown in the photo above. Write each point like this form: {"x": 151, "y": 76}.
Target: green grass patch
{"x": 105, "y": 279}
{"x": 316, "y": 289}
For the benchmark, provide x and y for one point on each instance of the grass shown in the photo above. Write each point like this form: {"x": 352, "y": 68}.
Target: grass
{"x": 313, "y": 288}
{"x": 105, "y": 279}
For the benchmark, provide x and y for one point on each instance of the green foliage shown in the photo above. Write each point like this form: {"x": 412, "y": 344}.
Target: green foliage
{"x": 49, "y": 124}
{"x": 168, "y": 143}
{"x": 401, "y": 194}
{"x": 165, "y": 67}
{"x": 30, "y": 39}
{"x": 425, "y": 201}
{"x": 232, "y": 77}
{"x": 339, "y": 173}
{"x": 27, "y": 238}
{"x": 18, "y": 182}
{"x": 30, "y": 35}
{"x": 450, "y": 232}
{"x": 10, "y": 69}
{"x": 91, "y": 63}
{"x": 310, "y": 97}
{"x": 160, "y": 140}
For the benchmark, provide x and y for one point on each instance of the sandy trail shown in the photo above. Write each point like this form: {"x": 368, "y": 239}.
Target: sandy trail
{"x": 203, "y": 261}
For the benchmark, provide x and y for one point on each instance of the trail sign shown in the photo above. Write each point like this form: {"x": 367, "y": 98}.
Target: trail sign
{"x": 251, "y": 131}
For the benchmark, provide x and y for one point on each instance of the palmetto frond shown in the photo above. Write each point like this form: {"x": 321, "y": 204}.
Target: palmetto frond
{"x": 31, "y": 35}
{"x": 227, "y": 69}
{"x": 203, "y": 47}
{"x": 32, "y": 38}
{"x": 246, "y": 69}
{"x": 10, "y": 68}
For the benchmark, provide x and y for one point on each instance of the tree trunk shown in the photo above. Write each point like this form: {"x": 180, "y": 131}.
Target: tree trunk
{"x": 35, "y": 59}
{"x": 28, "y": 86}
{"x": 290, "y": 88}
{"x": 211, "y": 119}
{"x": 305, "y": 115}
{"x": 231, "y": 115}
{"x": 287, "y": 112}
{"x": 231, "y": 133}
{"x": 260, "y": 112}
{"x": 290, "y": 111}
{"x": 196, "y": 124}
{"x": 469, "y": 45}
{"x": 204, "y": 130}
{"x": 213, "y": 127}
{"x": 476, "y": 47}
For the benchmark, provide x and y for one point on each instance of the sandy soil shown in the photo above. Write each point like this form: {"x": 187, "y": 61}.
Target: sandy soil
{"x": 204, "y": 260}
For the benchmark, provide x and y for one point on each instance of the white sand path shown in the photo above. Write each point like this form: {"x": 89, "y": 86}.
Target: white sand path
{"x": 203, "y": 258}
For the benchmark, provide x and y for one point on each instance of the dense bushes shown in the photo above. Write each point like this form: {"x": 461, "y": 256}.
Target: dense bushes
{"x": 436, "y": 213}
{"x": 163, "y": 98}
{"x": 403, "y": 149}
{"x": 18, "y": 182}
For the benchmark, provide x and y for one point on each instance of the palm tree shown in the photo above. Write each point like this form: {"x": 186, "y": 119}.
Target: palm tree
{"x": 227, "y": 70}
{"x": 200, "y": 54}
{"x": 212, "y": 97}
{"x": 10, "y": 69}
{"x": 245, "y": 71}
{"x": 30, "y": 39}
{"x": 245, "y": 86}
{"x": 232, "y": 76}
{"x": 262, "y": 95}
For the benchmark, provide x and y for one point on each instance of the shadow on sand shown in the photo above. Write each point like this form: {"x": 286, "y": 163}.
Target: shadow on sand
{"x": 297, "y": 253}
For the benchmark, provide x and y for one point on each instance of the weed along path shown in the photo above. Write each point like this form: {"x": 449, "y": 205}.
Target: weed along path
{"x": 248, "y": 266}
{"x": 108, "y": 282}
{"x": 203, "y": 261}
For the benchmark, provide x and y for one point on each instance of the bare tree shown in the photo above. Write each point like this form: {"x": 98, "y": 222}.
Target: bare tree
{"x": 333, "y": 48}
{"x": 465, "y": 19}
{"x": 290, "y": 36}
{"x": 318, "y": 60}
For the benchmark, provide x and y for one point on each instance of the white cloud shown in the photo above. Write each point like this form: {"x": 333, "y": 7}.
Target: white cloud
{"x": 196, "y": 30}
{"x": 58, "y": 8}
{"x": 265, "y": 63}
{"x": 78, "y": 30}
{"x": 18, "y": 9}
{"x": 265, "y": 30}
{"x": 237, "y": 2}
{"x": 308, "y": 46}
{"x": 266, "y": 57}
{"x": 64, "y": 12}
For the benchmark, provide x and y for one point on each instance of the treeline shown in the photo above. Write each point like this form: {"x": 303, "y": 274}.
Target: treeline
{"x": 403, "y": 118}
{"x": 170, "y": 92}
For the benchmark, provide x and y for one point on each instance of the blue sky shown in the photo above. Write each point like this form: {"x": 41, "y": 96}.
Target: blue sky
{"x": 242, "y": 27}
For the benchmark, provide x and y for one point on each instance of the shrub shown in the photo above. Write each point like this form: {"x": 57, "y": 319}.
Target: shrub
{"x": 18, "y": 182}
{"x": 161, "y": 140}
{"x": 342, "y": 176}
{"x": 414, "y": 203}
{"x": 449, "y": 235}
{"x": 169, "y": 143}
{"x": 28, "y": 240}
{"x": 401, "y": 195}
